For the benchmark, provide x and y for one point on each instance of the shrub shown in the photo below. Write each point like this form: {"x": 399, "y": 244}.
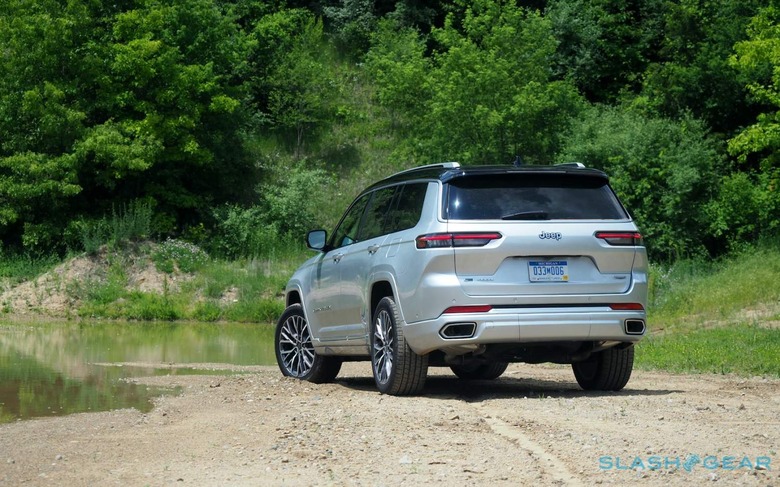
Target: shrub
{"x": 293, "y": 202}
{"x": 291, "y": 205}
{"x": 128, "y": 223}
{"x": 177, "y": 254}
{"x": 664, "y": 171}
{"x": 242, "y": 232}
{"x": 745, "y": 209}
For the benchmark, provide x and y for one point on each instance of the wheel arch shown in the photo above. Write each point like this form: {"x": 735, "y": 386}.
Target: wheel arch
{"x": 382, "y": 288}
{"x": 293, "y": 297}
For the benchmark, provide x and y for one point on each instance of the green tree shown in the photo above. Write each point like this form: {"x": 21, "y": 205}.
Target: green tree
{"x": 488, "y": 94}
{"x": 604, "y": 46}
{"x": 293, "y": 83}
{"x": 693, "y": 73}
{"x": 39, "y": 119}
{"x": 745, "y": 209}
{"x": 664, "y": 171}
{"x": 758, "y": 59}
{"x": 738, "y": 216}
{"x": 173, "y": 98}
{"x": 399, "y": 67}
{"x": 102, "y": 104}
{"x": 352, "y": 23}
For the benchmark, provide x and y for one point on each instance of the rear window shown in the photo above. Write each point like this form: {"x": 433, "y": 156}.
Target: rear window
{"x": 532, "y": 197}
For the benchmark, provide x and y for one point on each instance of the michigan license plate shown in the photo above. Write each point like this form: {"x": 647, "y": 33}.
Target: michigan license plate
{"x": 550, "y": 271}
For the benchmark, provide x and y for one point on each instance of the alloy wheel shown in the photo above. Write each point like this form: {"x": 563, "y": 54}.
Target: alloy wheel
{"x": 383, "y": 346}
{"x": 295, "y": 348}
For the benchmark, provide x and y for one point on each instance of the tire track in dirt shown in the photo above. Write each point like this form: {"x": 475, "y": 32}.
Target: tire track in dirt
{"x": 550, "y": 465}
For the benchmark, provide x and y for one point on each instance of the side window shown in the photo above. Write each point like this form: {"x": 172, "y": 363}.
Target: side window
{"x": 407, "y": 209}
{"x": 382, "y": 212}
{"x": 346, "y": 233}
{"x": 376, "y": 213}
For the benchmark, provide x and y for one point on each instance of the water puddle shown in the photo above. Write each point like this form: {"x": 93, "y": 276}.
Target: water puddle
{"x": 53, "y": 369}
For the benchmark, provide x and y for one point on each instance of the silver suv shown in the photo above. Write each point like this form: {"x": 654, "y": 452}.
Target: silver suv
{"x": 471, "y": 268}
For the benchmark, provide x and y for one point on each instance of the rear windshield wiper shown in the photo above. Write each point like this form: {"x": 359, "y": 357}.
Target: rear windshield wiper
{"x": 527, "y": 215}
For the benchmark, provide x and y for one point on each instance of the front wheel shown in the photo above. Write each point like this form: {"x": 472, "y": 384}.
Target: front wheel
{"x": 397, "y": 369}
{"x": 605, "y": 371}
{"x": 295, "y": 353}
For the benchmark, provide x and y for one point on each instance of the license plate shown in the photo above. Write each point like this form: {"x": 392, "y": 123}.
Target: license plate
{"x": 549, "y": 271}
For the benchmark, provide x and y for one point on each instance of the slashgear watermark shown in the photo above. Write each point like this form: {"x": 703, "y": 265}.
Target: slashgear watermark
{"x": 688, "y": 463}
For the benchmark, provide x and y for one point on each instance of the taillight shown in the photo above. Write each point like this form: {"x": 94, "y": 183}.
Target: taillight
{"x": 620, "y": 238}
{"x": 466, "y": 239}
{"x": 626, "y": 307}
{"x": 480, "y": 308}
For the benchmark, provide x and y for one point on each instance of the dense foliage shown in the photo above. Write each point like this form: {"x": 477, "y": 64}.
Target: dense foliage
{"x": 238, "y": 124}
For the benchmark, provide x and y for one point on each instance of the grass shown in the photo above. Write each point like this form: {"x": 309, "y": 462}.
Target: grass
{"x": 243, "y": 290}
{"x": 742, "y": 349}
{"x": 694, "y": 292}
{"x": 18, "y": 268}
{"x": 255, "y": 286}
{"x": 715, "y": 317}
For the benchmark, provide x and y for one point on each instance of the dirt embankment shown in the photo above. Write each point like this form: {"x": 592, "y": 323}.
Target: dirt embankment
{"x": 58, "y": 293}
{"x": 534, "y": 425}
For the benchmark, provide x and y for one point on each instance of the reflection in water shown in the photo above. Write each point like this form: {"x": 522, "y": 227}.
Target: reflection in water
{"x": 50, "y": 369}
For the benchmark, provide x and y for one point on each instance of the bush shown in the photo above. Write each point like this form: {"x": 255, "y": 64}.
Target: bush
{"x": 289, "y": 207}
{"x": 241, "y": 232}
{"x": 745, "y": 209}
{"x": 21, "y": 267}
{"x": 664, "y": 171}
{"x": 129, "y": 223}
{"x": 292, "y": 203}
{"x": 177, "y": 254}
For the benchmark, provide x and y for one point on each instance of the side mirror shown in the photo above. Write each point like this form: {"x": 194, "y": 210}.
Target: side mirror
{"x": 317, "y": 239}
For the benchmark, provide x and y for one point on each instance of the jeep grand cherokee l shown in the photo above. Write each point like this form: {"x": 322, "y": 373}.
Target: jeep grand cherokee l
{"x": 471, "y": 268}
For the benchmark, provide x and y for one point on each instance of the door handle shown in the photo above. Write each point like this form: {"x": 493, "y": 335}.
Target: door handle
{"x": 337, "y": 258}
{"x": 372, "y": 249}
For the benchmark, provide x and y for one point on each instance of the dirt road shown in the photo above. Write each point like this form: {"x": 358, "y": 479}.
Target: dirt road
{"x": 534, "y": 425}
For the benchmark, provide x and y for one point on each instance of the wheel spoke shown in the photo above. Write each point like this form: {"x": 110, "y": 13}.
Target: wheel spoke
{"x": 382, "y": 346}
{"x": 286, "y": 338}
{"x": 295, "y": 348}
{"x": 381, "y": 368}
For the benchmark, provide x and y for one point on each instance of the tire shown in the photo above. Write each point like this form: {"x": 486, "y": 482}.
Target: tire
{"x": 605, "y": 371}
{"x": 295, "y": 353}
{"x": 480, "y": 371}
{"x": 398, "y": 371}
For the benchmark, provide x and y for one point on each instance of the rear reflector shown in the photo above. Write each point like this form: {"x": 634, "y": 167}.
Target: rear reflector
{"x": 620, "y": 238}
{"x": 627, "y": 307}
{"x": 484, "y": 308}
{"x": 439, "y": 240}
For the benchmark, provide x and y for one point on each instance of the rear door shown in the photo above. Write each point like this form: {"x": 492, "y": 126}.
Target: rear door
{"x": 560, "y": 235}
{"x": 359, "y": 259}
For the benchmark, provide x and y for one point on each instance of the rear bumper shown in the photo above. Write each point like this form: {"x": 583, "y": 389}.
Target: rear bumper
{"x": 526, "y": 325}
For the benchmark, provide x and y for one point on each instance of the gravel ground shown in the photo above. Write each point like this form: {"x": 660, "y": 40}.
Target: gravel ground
{"x": 533, "y": 425}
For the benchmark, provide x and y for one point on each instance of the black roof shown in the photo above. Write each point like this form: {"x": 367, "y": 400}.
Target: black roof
{"x": 448, "y": 171}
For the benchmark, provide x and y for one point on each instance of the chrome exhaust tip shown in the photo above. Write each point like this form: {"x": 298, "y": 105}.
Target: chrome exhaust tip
{"x": 635, "y": 327}
{"x": 458, "y": 330}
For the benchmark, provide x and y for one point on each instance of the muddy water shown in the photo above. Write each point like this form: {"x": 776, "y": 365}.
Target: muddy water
{"x": 63, "y": 368}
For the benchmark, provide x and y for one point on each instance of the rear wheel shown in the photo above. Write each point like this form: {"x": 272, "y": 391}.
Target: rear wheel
{"x": 605, "y": 371}
{"x": 295, "y": 353}
{"x": 480, "y": 371}
{"x": 397, "y": 369}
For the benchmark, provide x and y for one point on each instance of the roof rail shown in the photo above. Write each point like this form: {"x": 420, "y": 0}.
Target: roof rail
{"x": 443, "y": 165}
{"x": 578, "y": 165}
